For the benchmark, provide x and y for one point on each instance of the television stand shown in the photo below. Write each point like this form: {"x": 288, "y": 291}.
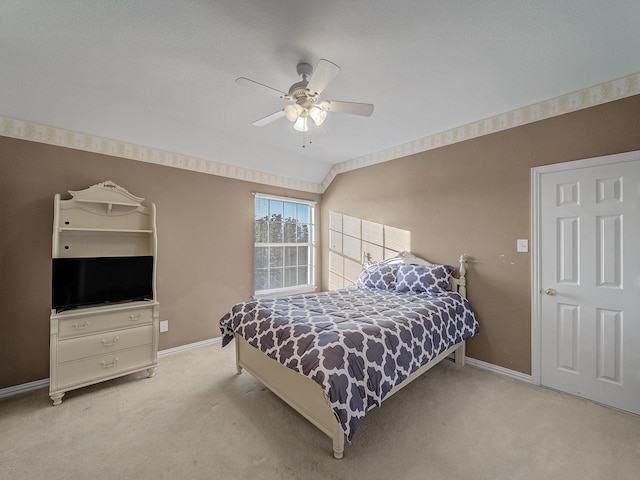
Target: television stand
{"x": 93, "y": 344}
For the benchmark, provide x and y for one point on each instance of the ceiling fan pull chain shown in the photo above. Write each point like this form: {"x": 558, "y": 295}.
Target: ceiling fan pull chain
{"x": 304, "y": 139}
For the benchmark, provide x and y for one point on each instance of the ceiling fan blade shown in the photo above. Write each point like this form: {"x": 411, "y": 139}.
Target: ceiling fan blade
{"x": 324, "y": 72}
{"x": 269, "y": 118}
{"x": 267, "y": 88}
{"x": 364, "y": 109}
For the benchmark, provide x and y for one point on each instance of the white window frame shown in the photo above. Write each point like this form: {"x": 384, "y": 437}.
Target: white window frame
{"x": 310, "y": 286}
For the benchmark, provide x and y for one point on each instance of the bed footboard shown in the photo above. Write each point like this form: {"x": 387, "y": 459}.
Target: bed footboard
{"x": 300, "y": 392}
{"x": 306, "y": 396}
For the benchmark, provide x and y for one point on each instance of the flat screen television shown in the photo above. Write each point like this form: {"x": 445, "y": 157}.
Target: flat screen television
{"x": 92, "y": 281}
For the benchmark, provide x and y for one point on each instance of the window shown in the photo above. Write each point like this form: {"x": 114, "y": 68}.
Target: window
{"x": 284, "y": 245}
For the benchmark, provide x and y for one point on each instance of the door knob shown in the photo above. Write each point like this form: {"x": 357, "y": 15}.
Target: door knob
{"x": 550, "y": 291}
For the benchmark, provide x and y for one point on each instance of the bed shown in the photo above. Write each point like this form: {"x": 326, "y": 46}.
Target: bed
{"x": 334, "y": 355}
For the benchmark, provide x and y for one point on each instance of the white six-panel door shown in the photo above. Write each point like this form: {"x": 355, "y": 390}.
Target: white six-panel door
{"x": 587, "y": 279}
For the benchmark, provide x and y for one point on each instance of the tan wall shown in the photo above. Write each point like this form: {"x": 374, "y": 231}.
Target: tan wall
{"x": 205, "y": 246}
{"x": 474, "y": 197}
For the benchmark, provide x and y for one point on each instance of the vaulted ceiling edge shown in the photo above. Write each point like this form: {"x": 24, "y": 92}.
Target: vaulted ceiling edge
{"x": 606, "y": 92}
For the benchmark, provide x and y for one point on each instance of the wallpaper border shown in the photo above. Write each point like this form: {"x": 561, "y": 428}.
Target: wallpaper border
{"x": 571, "y": 102}
{"x": 605, "y": 92}
{"x": 35, "y": 132}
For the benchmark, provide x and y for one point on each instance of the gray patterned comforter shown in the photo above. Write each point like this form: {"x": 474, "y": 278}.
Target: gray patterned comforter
{"x": 356, "y": 343}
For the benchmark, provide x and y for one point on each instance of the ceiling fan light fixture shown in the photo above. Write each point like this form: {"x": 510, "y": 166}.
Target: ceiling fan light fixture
{"x": 292, "y": 112}
{"x": 317, "y": 115}
{"x": 301, "y": 124}
{"x": 304, "y": 97}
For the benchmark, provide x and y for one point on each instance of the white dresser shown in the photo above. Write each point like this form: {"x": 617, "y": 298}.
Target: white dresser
{"x": 97, "y": 343}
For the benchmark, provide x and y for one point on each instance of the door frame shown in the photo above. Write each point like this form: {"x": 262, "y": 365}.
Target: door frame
{"x": 536, "y": 234}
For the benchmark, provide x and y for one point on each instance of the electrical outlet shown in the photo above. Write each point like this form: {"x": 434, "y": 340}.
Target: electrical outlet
{"x": 522, "y": 245}
{"x": 164, "y": 326}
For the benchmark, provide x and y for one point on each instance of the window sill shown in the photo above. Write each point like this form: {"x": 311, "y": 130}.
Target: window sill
{"x": 285, "y": 292}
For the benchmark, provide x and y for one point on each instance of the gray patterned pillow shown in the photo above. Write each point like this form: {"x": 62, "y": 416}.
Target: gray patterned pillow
{"x": 423, "y": 278}
{"x": 377, "y": 275}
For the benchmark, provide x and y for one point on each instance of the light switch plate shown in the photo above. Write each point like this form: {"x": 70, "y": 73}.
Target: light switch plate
{"x": 164, "y": 326}
{"x": 522, "y": 245}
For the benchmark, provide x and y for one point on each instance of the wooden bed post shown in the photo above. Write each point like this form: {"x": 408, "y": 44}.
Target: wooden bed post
{"x": 338, "y": 441}
{"x": 237, "y": 347}
{"x": 459, "y": 354}
{"x": 462, "y": 280}
{"x": 462, "y": 290}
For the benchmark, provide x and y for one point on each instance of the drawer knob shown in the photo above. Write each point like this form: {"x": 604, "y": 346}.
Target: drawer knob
{"x": 79, "y": 326}
{"x": 106, "y": 343}
{"x": 109, "y": 365}
{"x": 133, "y": 317}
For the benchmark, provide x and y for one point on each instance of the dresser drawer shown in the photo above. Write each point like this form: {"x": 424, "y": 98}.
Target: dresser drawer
{"x": 85, "y": 323}
{"x": 105, "y": 342}
{"x": 94, "y": 369}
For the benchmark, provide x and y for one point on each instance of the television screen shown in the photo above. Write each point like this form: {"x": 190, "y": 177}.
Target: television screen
{"x": 100, "y": 280}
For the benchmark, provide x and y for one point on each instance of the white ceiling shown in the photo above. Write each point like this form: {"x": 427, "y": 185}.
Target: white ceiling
{"x": 161, "y": 73}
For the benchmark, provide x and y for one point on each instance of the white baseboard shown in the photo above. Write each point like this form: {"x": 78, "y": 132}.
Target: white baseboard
{"x": 189, "y": 346}
{"x": 28, "y": 387}
{"x": 523, "y": 377}
{"x": 23, "y": 388}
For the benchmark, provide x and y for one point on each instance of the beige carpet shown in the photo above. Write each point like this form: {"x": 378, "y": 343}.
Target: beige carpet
{"x": 198, "y": 420}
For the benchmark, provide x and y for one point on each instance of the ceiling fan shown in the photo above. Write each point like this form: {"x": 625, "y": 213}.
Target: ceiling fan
{"x": 304, "y": 96}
